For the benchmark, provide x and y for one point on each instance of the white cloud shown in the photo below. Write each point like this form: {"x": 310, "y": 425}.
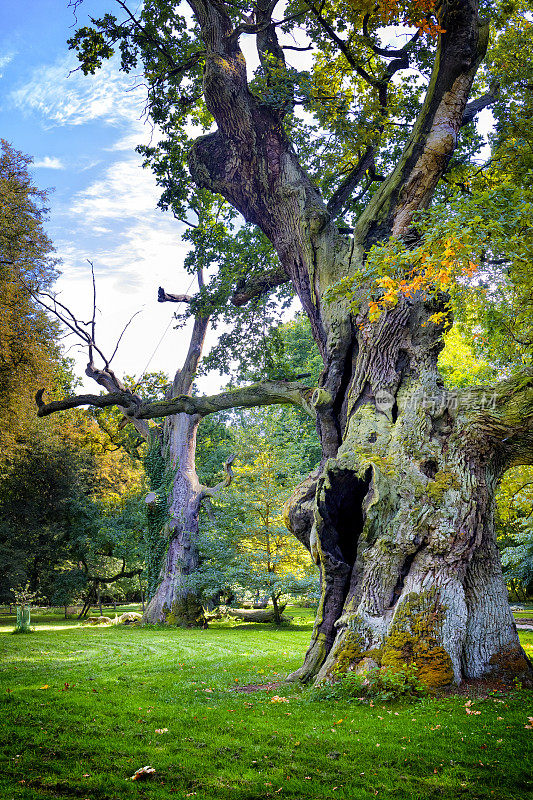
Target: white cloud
{"x": 5, "y": 59}
{"x": 125, "y": 191}
{"x": 135, "y": 248}
{"x": 144, "y": 134}
{"x": 64, "y": 97}
{"x": 49, "y": 162}
{"x": 83, "y": 163}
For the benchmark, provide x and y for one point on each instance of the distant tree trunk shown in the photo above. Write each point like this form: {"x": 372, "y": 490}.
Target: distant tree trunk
{"x": 142, "y": 593}
{"x": 277, "y": 612}
{"x": 257, "y": 615}
{"x": 89, "y": 599}
{"x": 174, "y": 602}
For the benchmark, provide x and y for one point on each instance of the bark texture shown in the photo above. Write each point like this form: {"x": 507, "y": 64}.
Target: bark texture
{"x": 173, "y": 602}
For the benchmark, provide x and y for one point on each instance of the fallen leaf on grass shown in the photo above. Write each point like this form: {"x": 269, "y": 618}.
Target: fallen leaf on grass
{"x": 161, "y": 730}
{"x": 142, "y": 773}
{"x": 277, "y": 699}
{"x": 529, "y": 727}
{"x": 44, "y": 687}
{"x": 470, "y": 710}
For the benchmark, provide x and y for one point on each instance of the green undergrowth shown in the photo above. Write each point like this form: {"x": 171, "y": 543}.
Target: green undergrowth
{"x": 380, "y": 685}
{"x": 81, "y": 707}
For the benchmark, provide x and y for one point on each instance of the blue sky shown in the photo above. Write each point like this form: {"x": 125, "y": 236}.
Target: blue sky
{"x": 81, "y": 132}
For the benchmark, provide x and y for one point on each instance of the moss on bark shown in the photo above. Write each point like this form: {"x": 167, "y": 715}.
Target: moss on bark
{"x": 415, "y": 638}
{"x": 185, "y": 613}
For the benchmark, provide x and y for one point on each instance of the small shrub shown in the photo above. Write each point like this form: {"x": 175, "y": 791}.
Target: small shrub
{"x": 382, "y": 685}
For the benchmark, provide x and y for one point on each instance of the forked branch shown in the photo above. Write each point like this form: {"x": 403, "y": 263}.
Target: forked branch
{"x": 105, "y": 377}
{"x": 258, "y": 285}
{"x": 211, "y": 491}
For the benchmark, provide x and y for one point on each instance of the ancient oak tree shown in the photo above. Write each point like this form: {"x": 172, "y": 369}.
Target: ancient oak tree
{"x": 399, "y": 516}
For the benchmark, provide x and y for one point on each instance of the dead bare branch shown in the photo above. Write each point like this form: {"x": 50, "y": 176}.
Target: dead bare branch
{"x": 168, "y": 297}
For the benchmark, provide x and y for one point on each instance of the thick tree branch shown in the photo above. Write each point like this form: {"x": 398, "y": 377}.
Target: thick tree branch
{"x": 258, "y": 285}
{"x": 475, "y": 106}
{"x": 338, "y": 200}
{"x": 167, "y": 297}
{"x": 257, "y": 394}
{"x": 501, "y": 428}
{"x": 123, "y": 400}
{"x": 412, "y": 183}
{"x": 271, "y": 53}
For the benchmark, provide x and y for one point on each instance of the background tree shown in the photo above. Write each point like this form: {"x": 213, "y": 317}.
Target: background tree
{"x": 245, "y": 547}
{"x": 29, "y": 352}
{"x": 401, "y": 516}
{"x": 67, "y": 505}
{"x": 515, "y": 530}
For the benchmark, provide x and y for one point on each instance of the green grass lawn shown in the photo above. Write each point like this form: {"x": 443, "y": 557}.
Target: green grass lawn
{"x": 80, "y": 707}
{"x": 523, "y": 613}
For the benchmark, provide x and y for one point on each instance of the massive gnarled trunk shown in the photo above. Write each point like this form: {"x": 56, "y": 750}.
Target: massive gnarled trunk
{"x": 399, "y": 515}
{"x": 400, "y": 518}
